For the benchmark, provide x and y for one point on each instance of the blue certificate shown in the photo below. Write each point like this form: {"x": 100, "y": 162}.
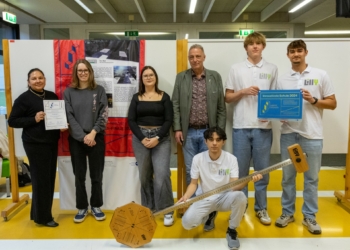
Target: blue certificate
{"x": 280, "y": 104}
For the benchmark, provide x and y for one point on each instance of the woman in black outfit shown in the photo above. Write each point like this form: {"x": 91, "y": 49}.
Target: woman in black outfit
{"x": 39, "y": 144}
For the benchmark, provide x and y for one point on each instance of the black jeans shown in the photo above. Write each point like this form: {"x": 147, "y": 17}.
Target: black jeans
{"x": 96, "y": 157}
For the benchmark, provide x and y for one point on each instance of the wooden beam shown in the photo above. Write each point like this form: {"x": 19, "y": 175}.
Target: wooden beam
{"x": 141, "y": 8}
{"x": 272, "y": 8}
{"x": 17, "y": 201}
{"x": 240, "y": 8}
{"x": 108, "y": 8}
{"x": 207, "y": 8}
{"x": 181, "y": 65}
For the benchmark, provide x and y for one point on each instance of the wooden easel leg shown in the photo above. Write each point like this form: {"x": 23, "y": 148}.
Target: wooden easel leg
{"x": 12, "y": 207}
{"x": 344, "y": 197}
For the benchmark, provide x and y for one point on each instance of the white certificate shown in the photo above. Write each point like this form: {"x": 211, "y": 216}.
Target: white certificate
{"x": 55, "y": 114}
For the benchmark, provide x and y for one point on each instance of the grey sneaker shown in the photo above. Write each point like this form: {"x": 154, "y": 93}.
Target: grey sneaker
{"x": 97, "y": 213}
{"x": 210, "y": 223}
{"x": 232, "y": 240}
{"x": 263, "y": 217}
{"x": 284, "y": 220}
{"x": 312, "y": 226}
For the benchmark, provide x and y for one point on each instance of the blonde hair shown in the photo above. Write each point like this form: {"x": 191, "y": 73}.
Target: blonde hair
{"x": 255, "y": 37}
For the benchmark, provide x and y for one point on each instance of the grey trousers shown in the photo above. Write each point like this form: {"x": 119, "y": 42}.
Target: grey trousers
{"x": 197, "y": 213}
{"x": 154, "y": 172}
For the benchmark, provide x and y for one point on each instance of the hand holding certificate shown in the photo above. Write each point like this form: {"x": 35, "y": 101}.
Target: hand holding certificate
{"x": 55, "y": 114}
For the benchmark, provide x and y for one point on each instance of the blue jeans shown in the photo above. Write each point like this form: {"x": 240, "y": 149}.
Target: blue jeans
{"x": 195, "y": 144}
{"x": 154, "y": 171}
{"x": 253, "y": 144}
{"x": 313, "y": 149}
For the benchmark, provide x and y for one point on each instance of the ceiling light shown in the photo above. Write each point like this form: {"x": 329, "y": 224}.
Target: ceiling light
{"x": 84, "y": 6}
{"x": 327, "y": 32}
{"x": 186, "y": 36}
{"x": 192, "y": 6}
{"x": 300, "y": 5}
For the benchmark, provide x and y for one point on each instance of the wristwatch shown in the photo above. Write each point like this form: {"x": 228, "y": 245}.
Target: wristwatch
{"x": 316, "y": 100}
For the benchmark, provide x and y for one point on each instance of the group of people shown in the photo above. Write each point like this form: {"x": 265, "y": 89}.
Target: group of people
{"x": 197, "y": 114}
{"x": 87, "y": 115}
{"x": 199, "y": 117}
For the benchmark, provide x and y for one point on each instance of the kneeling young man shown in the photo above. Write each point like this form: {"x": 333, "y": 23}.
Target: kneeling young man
{"x": 214, "y": 168}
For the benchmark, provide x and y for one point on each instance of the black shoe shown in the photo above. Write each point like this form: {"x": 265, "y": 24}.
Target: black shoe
{"x": 51, "y": 224}
{"x": 210, "y": 223}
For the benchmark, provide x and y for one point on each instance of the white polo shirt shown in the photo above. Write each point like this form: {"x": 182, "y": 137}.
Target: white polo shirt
{"x": 318, "y": 83}
{"x": 212, "y": 174}
{"x": 244, "y": 75}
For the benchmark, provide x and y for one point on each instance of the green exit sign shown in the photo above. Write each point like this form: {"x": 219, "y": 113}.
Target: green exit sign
{"x": 9, "y": 17}
{"x": 131, "y": 33}
{"x": 245, "y": 32}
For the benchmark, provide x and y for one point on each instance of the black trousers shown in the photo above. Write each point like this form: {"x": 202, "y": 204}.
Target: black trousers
{"x": 43, "y": 162}
{"x": 96, "y": 157}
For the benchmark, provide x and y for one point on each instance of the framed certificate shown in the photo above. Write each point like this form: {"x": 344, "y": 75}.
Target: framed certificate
{"x": 55, "y": 114}
{"x": 280, "y": 104}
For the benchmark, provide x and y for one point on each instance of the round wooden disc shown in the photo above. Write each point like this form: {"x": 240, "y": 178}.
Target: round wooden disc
{"x": 133, "y": 225}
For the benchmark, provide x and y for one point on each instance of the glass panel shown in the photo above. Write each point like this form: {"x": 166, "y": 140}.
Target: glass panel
{"x": 235, "y": 35}
{"x": 218, "y": 35}
{"x": 2, "y": 90}
{"x": 142, "y": 36}
{"x": 50, "y": 33}
{"x": 274, "y": 34}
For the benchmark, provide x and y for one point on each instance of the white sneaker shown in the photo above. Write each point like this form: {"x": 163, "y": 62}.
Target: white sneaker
{"x": 263, "y": 217}
{"x": 168, "y": 220}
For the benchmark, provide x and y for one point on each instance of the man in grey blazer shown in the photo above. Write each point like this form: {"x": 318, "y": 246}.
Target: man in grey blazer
{"x": 198, "y": 101}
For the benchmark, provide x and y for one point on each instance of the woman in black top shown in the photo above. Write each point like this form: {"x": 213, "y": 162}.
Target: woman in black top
{"x": 150, "y": 118}
{"x": 39, "y": 144}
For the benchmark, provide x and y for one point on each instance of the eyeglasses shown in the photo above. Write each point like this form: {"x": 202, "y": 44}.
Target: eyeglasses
{"x": 83, "y": 71}
{"x": 148, "y": 76}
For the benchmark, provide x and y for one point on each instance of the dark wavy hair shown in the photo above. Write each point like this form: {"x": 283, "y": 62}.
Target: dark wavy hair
{"x": 296, "y": 44}
{"x": 142, "y": 89}
{"x": 75, "y": 83}
{"x": 219, "y": 131}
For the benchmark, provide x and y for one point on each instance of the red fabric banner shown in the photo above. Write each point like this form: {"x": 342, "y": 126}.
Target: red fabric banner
{"x": 118, "y": 137}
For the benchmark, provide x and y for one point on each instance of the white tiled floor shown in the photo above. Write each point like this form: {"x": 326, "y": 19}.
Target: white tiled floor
{"x": 183, "y": 244}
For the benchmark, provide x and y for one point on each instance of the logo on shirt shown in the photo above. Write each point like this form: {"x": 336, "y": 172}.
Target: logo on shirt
{"x": 265, "y": 76}
{"x": 308, "y": 82}
{"x": 224, "y": 172}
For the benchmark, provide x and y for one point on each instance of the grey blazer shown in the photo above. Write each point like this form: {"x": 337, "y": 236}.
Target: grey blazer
{"x": 182, "y": 100}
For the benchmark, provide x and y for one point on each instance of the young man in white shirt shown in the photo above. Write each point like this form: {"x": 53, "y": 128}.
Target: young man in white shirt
{"x": 252, "y": 138}
{"x": 318, "y": 94}
{"x": 212, "y": 169}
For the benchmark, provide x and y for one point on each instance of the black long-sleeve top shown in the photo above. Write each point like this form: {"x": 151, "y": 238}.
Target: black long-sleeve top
{"x": 23, "y": 114}
{"x": 150, "y": 113}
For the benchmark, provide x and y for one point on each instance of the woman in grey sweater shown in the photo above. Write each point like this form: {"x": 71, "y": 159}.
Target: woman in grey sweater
{"x": 87, "y": 114}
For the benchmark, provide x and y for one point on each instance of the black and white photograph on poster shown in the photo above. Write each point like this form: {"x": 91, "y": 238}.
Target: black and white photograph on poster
{"x": 113, "y": 50}
{"x": 125, "y": 74}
